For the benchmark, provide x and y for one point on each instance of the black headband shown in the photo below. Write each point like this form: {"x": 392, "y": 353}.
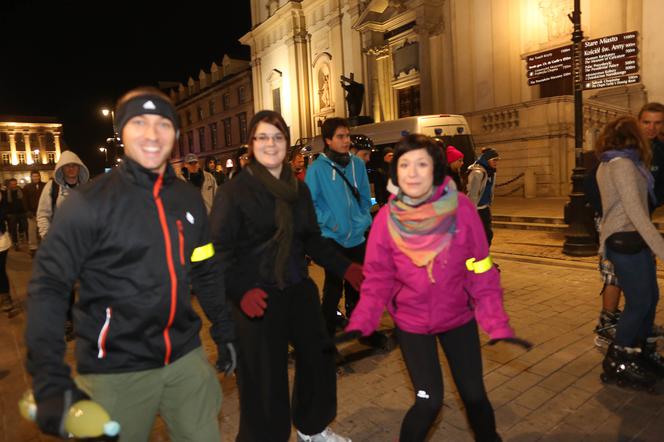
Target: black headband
{"x": 145, "y": 104}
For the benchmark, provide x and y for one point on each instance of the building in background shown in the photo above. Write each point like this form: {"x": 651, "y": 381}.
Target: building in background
{"x": 418, "y": 57}
{"x": 28, "y": 143}
{"x": 214, "y": 111}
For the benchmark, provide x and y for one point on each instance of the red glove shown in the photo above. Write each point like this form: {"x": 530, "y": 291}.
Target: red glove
{"x": 253, "y": 302}
{"x": 354, "y": 275}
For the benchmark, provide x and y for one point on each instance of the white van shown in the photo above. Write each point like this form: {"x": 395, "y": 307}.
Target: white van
{"x": 454, "y": 130}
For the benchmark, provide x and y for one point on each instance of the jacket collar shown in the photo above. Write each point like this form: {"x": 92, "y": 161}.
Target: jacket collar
{"x": 143, "y": 177}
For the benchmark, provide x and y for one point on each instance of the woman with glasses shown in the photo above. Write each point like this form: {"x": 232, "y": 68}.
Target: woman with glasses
{"x": 263, "y": 224}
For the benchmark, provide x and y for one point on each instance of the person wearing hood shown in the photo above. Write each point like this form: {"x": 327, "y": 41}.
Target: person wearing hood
{"x": 481, "y": 181}
{"x": 428, "y": 264}
{"x": 341, "y": 194}
{"x": 70, "y": 172}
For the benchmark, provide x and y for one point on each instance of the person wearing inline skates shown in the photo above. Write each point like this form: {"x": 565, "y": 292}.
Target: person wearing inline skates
{"x": 628, "y": 240}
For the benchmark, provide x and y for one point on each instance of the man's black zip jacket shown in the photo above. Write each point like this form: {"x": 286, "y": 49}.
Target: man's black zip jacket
{"x": 139, "y": 244}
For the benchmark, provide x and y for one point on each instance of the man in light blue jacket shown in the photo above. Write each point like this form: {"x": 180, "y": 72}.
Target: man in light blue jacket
{"x": 340, "y": 190}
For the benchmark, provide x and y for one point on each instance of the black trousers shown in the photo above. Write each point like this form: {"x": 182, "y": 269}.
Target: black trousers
{"x": 485, "y": 216}
{"x": 292, "y": 315}
{"x": 462, "y": 349}
{"x": 4, "y": 280}
{"x": 335, "y": 286}
{"x": 18, "y": 223}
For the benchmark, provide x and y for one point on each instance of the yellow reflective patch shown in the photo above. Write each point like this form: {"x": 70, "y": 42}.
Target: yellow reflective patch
{"x": 202, "y": 253}
{"x": 479, "y": 266}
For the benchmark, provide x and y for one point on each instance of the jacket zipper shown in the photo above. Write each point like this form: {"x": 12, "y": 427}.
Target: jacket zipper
{"x": 103, "y": 334}
{"x": 170, "y": 264}
{"x": 181, "y": 240}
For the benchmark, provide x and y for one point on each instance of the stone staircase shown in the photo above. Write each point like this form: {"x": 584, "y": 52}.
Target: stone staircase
{"x": 521, "y": 222}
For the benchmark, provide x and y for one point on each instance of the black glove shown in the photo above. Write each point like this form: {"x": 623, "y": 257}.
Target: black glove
{"x": 227, "y": 358}
{"x": 516, "y": 341}
{"x": 51, "y": 412}
{"x": 347, "y": 336}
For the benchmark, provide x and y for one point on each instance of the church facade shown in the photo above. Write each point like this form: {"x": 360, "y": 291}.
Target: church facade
{"x": 418, "y": 57}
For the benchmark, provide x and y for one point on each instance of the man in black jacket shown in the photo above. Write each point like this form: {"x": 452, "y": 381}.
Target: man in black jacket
{"x": 138, "y": 241}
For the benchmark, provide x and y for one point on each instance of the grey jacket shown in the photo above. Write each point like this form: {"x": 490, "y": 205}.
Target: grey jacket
{"x": 624, "y": 193}
{"x": 477, "y": 179}
{"x": 44, "y": 210}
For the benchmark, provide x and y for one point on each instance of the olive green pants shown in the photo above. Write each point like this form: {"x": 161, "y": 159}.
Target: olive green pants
{"x": 185, "y": 393}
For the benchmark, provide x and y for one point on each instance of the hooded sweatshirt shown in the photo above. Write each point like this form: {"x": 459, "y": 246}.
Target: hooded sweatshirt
{"x": 45, "y": 209}
{"x": 340, "y": 216}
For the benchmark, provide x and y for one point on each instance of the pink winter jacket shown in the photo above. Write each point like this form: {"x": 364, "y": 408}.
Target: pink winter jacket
{"x": 419, "y": 305}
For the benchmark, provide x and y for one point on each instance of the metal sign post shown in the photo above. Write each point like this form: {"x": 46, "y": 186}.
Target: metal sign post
{"x": 578, "y": 241}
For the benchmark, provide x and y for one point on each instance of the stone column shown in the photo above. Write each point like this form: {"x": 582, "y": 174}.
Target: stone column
{"x": 56, "y": 137}
{"x": 257, "y": 80}
{"x": 28, "y": 150}
{"x": 12, "y": 147}
{"x": 43, "y": 156}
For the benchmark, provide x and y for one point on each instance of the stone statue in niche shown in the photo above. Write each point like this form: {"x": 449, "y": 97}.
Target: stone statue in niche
{"x": 354, "y": 95}
{"x": 324, "y": 90}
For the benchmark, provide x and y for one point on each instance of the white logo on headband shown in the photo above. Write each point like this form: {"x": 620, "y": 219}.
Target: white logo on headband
{"x": 149, "y": 105}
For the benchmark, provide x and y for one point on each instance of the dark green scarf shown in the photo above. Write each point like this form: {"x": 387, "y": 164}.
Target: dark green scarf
{"x": 284, "y": 191}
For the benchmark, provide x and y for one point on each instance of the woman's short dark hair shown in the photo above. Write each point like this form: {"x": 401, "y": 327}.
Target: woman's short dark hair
{"x": 415, "y": 142}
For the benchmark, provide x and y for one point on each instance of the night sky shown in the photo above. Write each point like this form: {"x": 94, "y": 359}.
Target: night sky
{"x": 68, "y": 59}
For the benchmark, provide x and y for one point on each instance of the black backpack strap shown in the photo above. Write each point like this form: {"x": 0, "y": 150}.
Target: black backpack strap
{"x": 55, "y": 191}
{"x": 353, "y": 189}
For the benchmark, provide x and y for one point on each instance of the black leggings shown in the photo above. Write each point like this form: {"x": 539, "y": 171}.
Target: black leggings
{"x": 462, "y": 348}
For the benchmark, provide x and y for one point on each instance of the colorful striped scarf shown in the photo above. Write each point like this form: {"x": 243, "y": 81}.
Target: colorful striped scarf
{"x": 423, "y": 232}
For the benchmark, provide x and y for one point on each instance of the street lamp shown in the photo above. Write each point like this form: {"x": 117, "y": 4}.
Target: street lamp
{"x": 113, "y": 142}
{"x": 578, "y": 241}
{"x": 103, "y": 149}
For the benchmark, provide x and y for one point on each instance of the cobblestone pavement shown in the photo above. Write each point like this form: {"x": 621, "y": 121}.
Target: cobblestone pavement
{"x": 552, "y": 393}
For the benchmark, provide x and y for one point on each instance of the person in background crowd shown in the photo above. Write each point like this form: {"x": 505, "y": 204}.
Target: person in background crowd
{"x": 428, "y": 263}
{"x": 138, "y": 240}
{"x": 211, "y": 168}
{"x": 361, "y": 151}
{"x": 382, "y": 177}
{"x": 263, "y": 224}
{"x": 69, "y": 174}
{"x": 240, "y": 160}
{"x": 16, "y": 214}
{"x": 651, "y": 122}
{"x": 481, "y": 182}
{"x": 205, "y": 181}
{"x": 7, "y": 304}
{"x": 455, "y": 161}
{"x": 297, "y": 164}
{"x": 31, "y": 194}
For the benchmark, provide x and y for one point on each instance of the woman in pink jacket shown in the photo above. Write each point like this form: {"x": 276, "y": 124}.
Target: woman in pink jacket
{"x": 428, "y": 262}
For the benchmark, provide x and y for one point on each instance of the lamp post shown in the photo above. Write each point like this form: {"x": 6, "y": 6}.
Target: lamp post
{"x": 578, "y": 240}
{"x": 105, "y": 150}
{"x": 113, "y": 142}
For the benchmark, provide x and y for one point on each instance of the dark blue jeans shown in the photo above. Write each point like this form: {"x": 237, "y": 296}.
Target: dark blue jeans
{"x": 638, "y": 279}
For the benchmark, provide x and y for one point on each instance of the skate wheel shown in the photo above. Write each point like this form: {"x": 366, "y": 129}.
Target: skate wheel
{"x": 620, "y": 383}
{"x": 604, "y": 378}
